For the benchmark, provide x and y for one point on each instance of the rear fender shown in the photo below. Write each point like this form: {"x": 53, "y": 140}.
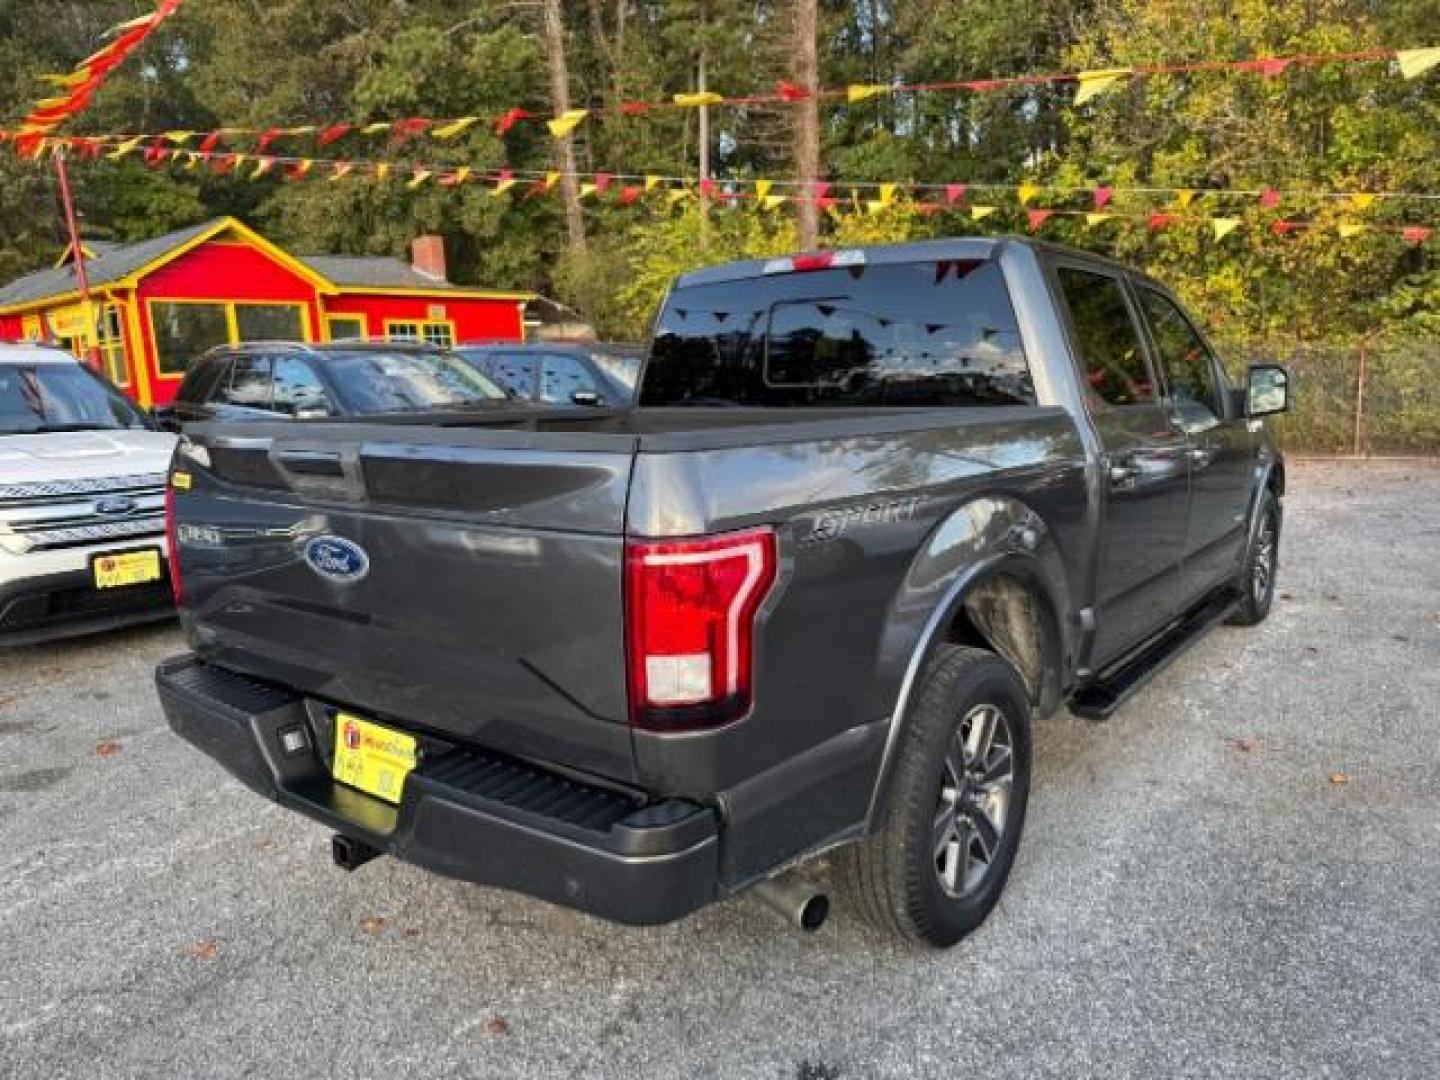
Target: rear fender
{"x": 989, "y": 538}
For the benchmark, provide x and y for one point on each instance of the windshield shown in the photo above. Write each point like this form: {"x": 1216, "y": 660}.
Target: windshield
{"x": 381, "y": 382}
{"x": 40, "y": 398}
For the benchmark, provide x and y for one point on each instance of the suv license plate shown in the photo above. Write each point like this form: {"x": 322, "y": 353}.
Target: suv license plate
{"x": 126, "y": 568}
{"x": 372, "y": 758}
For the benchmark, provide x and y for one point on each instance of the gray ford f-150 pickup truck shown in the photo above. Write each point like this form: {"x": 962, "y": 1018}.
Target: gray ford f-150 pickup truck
{"x": 873, "y": 512}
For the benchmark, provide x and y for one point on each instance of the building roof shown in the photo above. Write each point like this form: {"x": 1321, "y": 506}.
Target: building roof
{"x": 113, "y": 263}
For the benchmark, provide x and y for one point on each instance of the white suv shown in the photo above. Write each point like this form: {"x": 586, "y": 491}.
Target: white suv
{"x": 82, "y": 501}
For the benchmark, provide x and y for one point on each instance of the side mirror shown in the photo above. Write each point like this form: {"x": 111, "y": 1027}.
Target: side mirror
{"x": 587, "y": 398}
{"x": 1267, "y": 390}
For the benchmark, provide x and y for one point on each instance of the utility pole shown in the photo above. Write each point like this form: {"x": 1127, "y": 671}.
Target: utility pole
{"x": 807, "y": 120}
{"x": 565, "y": 145}
{"x": 77, "y": 251}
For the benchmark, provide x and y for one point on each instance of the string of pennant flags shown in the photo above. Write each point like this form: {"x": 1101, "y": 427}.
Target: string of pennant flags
{"x": 1033, "y": 202}
{"x": 1089, "y": 85}
{"x": 76, "y": 88}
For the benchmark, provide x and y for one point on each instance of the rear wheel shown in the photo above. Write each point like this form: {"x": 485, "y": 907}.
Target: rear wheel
{"x": 1262, "y": 562}
{"x": 952, "y": 823}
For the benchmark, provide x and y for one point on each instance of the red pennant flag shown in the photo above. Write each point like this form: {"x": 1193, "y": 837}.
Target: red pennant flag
{"x": 1269, "y": 198}
{"x": 510, "y": 119}
{"x": 1102, "y": 197}
{"x": 210, "y": 142}
{"x": 790, "y": 92}
{"x": 506, "y": 175}
{"x": 1157, "y": 222}
{"x": 630, "y": 193}
{"x": 1416, "y": 234}
{"x": 333, "y": 133}
{"x": 406, "y": 129}
{"x": 954, "y": 193}
{"x": 820, "y": 190}
{"x": 634, "y": 108}
{"x": 826, "y": 202}
{"x": 154, "y": 155}
{"x": 927, "y": 209}
{"x": 602, "y": 181}
{"x": 1038, "y": 218}
{"x": 266, "y": 138}
{"x": 707, "y": 188}
{"x": 1284, "y": 228}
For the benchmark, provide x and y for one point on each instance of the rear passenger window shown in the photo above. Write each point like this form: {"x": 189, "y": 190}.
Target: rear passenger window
{"x": 249, "y": 384}
{"x": 562, "y": 377}
{"x": 1114, "y": 368}
{"x": 298, "y": 390}
{"x": 514, "y": 371}
{"x": 921, "y": 335}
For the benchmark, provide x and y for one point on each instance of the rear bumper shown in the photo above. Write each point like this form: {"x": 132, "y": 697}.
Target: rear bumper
{"x": 465, "y": 814}
{"x": 67, "y": 604}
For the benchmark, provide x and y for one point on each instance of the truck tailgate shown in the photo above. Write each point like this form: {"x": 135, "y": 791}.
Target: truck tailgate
{"x": 463, "y": 582}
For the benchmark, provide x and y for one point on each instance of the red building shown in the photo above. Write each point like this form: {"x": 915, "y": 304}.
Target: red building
{"x": 158, "y": 304}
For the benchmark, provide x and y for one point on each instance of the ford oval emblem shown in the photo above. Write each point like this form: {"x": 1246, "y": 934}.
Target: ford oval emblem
{"x": 337, "y": 559}
{"x": 116, "y": 506}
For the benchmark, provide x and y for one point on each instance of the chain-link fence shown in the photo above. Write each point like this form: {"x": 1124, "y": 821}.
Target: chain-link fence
{"x": 1381, "y": 396}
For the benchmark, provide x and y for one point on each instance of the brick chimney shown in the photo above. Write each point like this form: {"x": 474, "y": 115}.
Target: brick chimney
{"x": 427, "y": 256}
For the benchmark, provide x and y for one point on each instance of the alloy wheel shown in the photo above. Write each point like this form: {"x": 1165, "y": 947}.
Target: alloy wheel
{"x": 970, "y": 817}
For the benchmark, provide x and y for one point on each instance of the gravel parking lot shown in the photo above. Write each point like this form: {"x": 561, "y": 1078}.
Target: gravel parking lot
{"x": 1239, "y": 875}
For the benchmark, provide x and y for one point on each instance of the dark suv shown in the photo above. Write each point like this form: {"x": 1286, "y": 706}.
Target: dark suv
{"x": 561, "y": 374}
{"x": 268, "y": 380}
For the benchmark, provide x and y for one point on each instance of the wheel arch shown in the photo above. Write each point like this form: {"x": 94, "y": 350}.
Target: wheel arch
{"x": 990, "y": 576}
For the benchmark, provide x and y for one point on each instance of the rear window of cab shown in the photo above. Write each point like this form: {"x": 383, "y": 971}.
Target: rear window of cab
{"x": 933, "y": 334}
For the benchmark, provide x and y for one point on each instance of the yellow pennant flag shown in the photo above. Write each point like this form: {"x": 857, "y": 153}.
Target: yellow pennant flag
{"x": 875, "y": 206}
{"x": 69, "y": 82}
{"x": 690, "y": 101}
{"x": 651, "y": 183}
{"x": 1415, "y": 62}
{"x": 382, "y": 171}
{"x": 459, "y": 176}
{"x": 551, "y": 179}
{"x": 887, "y": 193}
{"x": 980, "y": 213}
{"x": 1026, "y": 192}
{"x": 303, "y": 167}
{"x": 179, "y": 138}
{"x": 586, "y": 190}
{"x": 1097, "y": 219}
{"x": 1362, "y": 200}
{"x": 455, "y": 127}
{"x": 1185, "y": 196}
{"x": 860, "y": 91}
{"x": 237, "y": 161}
{"x": 762, "y": 188}
{"x": 375, "y": 129}
{"x": 342, "y": 169}
{"x": 1347, "y": 229}
{"x": 1095, "y": 83}
{"x": 1223, "y": 226}
{"x": 303, "y": 129}
{"x": 770, "y": 202}
{"x": 263, "y": 166}
{"x": 566, "y": 122}
{"x": 421, "y": 175}
{"x": 676, "y": 194}
{"x": 192, "y": 160}
{"x": 129, "y": 146}
{"x": 501, "y": 187}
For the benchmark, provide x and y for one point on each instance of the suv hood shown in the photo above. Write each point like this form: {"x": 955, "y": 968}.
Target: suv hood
{"x": 83, "y": 455}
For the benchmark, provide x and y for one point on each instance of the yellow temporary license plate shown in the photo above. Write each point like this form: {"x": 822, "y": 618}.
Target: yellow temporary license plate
{"x": 372, "y": 758}
{"x": 129, "y": 568}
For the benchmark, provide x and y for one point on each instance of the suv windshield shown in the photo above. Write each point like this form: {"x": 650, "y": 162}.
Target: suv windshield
{"x": 46, "y": 397}
{"x": 930, "y": 334}
{"x": 406, "y": 381}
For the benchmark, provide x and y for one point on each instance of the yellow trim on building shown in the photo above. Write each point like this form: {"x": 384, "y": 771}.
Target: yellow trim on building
{"x": 232, "y": 322}
{"x": 420, "y": 326}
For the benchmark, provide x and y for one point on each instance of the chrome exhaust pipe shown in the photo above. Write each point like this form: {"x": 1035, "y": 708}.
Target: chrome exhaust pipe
{"x": 798, "y": 902}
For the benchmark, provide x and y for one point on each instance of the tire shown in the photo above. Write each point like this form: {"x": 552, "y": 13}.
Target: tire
{"x": 912, "y": 878}
{"x": 1262, "y": 565}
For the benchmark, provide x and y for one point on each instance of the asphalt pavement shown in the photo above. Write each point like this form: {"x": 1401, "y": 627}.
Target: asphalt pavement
{"x": 1238, "y": 875}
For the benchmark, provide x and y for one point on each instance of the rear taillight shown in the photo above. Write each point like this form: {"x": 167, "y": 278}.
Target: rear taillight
{"x": 690, "y": 625}
{"x": 173, "y": 544}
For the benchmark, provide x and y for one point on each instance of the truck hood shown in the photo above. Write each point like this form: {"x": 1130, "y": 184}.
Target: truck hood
{"x": 83, "y": 455}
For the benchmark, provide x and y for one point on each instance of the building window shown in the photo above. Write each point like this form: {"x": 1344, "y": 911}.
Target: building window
{"x": 434, "y": 332}
{"x": 112, "y": 344}
{"x": 185, "y": 330}
{"x": 346, "y": 327}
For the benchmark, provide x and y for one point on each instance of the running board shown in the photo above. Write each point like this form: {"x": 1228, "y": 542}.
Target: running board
{"x": 1099, "y": 699}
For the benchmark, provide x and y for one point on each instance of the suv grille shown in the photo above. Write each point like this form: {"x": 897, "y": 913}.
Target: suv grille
{"x": 77, "y": 513}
